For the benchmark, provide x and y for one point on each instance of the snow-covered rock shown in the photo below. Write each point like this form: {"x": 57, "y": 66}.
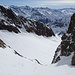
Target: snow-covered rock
{"x": 28, "y": 54}
{"x": 67, "y": 46}
{"x": 12, "y": 22}
{"x": 58, "y": 19}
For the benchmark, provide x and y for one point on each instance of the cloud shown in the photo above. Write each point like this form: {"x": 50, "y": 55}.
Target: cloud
{"x": 55, "y": 2}
{"x": 41, "y": 3}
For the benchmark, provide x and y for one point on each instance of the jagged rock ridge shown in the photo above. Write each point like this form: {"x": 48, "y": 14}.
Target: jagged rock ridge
{"x": 58, "y": 19}
{"x": 12, "y": 22}
{"x": 67, "y": 46}
{"x": 2, "y": 44}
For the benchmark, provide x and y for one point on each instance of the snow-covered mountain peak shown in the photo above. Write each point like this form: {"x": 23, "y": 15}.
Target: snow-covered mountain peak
{"x": 56, "y": 18}
{"x": 26, "y": 7}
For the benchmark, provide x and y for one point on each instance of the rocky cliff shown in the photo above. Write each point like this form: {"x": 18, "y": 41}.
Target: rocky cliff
{"x": 67, "y": 46}
{"x": 12, "y": 22}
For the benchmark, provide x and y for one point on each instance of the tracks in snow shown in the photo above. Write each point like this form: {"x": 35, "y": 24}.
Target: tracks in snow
{"x": 32, "y": 60}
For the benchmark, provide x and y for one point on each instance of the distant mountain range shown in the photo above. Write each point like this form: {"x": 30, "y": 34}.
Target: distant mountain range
{"x": 58, "y": 19}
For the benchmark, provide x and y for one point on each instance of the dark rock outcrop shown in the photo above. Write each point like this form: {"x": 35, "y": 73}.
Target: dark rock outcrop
{"x": 2, "y": 44}
{"x": 7, "y": 18}
{"x": 12, "y": 22}
{"x": 40, "y": 29}
{"x": 67, "y": 46}
{"x": 73, "y": 60}
{"x": 10, "y": 28}
{"x": 17, "y": 53}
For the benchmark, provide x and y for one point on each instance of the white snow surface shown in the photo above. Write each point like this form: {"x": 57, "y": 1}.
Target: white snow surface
{"x": 31, "y": 47}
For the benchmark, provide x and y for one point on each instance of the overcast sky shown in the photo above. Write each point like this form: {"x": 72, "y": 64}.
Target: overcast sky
{"x": 41, "y": 3}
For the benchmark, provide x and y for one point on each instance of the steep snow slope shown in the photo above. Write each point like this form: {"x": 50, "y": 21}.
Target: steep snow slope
{"x": 31, "y": 47}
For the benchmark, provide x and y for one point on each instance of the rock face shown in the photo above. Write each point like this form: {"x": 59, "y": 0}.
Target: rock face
{"x": 2, "y": 44}
{"x": 58, "y": 19}
{"x": 40, "y": 29}
{"x": 67, "y": 46}
{"x": 8, "y": 27}
{"x": 12, "y": 22}
{"x": 8, "y": 20}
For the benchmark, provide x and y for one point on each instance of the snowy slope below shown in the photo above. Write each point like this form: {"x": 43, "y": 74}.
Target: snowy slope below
{"x": 31, "y": 47}
{"x": 11, "y": 64}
